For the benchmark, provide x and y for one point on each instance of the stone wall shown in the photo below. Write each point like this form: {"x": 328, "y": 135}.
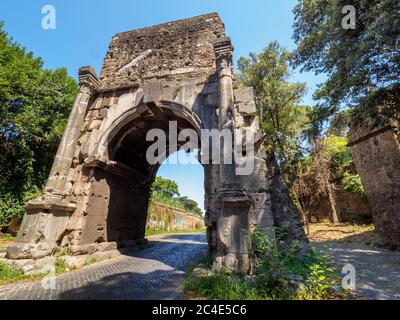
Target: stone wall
{"x": 348, "y": 207}
{"x": 175, "y": 49}
{"x": 376, "y": 153}
{"x": 162, "y": 217}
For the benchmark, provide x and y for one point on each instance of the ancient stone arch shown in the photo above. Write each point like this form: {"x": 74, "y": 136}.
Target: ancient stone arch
{"x": 97, "y": 193}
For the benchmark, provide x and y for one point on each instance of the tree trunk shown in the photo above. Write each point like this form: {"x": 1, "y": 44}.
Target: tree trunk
{"x": 331, "y": 199}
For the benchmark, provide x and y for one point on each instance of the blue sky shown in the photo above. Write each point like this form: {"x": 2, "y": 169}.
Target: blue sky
{"x": 85, "y": 27}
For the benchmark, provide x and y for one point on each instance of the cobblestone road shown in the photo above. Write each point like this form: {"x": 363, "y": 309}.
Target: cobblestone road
{"x": 154, "y": 273}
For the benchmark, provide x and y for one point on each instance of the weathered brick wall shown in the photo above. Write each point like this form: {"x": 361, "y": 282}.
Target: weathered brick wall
{"x": 376, "y": 153}
{"x": 348, "y": 207}
{"x": 165, "y": 218}
{"x": 184, "y": 46}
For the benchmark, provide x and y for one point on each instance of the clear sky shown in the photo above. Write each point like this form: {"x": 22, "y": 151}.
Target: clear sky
{"x": 84, "y": 29}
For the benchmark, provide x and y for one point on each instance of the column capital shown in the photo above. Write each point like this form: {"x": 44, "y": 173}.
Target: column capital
{"x": 88, "y": 80}
{"x": 223, "y": 52}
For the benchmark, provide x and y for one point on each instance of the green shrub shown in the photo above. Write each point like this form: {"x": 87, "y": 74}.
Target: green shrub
{"x": 14, "y": 207}
{"x": 352, "y": 183}
{"x": 10, "y": 207}
{"x": 7, "y": 272}
{"x": 164, "y": 199}
{"x": 61, "y": 265}
{"x": 199, "y": 225}
{"x": 277, "y": 275}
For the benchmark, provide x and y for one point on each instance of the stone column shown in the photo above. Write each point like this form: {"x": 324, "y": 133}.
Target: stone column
{"x": 223, "y": 51}
{"x": 89, "y": 85}
{"x": 46, "y": 218}
{"x": 232, "y": 222}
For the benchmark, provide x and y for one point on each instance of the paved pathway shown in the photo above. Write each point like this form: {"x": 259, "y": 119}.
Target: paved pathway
{"x": 158, "y": 272}
{"x": 377, "y": 269}
{"x": 154, "y": 273}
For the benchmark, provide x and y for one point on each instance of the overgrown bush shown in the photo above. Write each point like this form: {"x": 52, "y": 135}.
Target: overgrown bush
{"x": 277, "y": 275}
{"x": 12, "y": 206}
{"x": 352, "y": 183}
{"x": 329, "y": 165}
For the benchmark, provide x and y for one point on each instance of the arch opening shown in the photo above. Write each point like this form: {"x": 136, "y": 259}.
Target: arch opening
{"x": 120, "y": 190}
{"x": 177, "y": 197}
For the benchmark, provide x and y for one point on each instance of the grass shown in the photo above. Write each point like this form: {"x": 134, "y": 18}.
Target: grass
{"x": 277, "y": 276}
{"x": 90, "y": 261}
{"x": 61, "y": 265}
{"x": 11, "y": 274}
{"x": 5, "y": 240}
{"x": 7, "y": 237}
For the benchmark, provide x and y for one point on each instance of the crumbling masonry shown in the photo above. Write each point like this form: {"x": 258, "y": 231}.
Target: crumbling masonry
{"x": 97, "y": 194}
{"x": 376, "y": 153}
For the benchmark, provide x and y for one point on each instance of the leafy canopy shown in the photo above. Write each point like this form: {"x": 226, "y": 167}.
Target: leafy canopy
{"x": 34, "y": 107}
{"x": 282, "y": 117}
{"x": 167, "y": 192}
{"x": 165, "y": 186}
{"x": 356, "y": 61}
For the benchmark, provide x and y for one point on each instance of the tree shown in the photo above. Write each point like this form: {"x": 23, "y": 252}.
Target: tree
{"x": 34, "y": 108}
{"x": 282, "y": 117}
{"x": 167, "y": 192}
{"x": 314, "y": 180}
{"x": 356, "y": 61}
{"x": 166, "y": 187}
{"x": 189, "y": 204}
{"x": 329, "y": 165}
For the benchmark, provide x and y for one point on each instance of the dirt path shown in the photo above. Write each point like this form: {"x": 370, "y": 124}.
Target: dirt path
{"x": 377, "y": 269}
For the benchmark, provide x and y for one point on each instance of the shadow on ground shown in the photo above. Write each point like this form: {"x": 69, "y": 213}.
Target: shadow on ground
{"x": 157, "y": 272}
{"x": 158, "y": 284}
{"x": 377, "y": 269}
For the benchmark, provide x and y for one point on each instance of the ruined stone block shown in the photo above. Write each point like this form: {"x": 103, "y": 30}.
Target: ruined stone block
{"x": 244, "y": 95}
{"x": 247, "y": 108}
